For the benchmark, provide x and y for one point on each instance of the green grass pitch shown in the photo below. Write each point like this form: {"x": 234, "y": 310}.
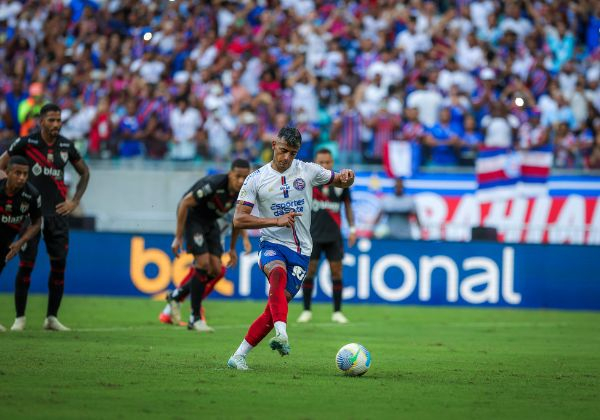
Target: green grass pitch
{"x": 119, "y": 362}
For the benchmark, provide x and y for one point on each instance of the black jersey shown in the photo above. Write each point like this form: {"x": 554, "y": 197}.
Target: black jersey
{"x": 16, "y": 208}
{"x": 47, "y": 164}
{"x": 213, "y": 199}
{"x": 326, "y": 220}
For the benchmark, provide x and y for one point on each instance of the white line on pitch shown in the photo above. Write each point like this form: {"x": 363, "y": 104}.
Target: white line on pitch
{"x": 216, "y": 327}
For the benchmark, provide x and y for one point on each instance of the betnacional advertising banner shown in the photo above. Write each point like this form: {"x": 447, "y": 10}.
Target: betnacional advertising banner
{"x": 375, "y": 271}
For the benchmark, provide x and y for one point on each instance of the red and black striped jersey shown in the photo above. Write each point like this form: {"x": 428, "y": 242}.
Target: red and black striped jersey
{"x": 16, "y": 208}
{"x": 47, "y": 164}
{"x": 326, "y": 212}
{"x": 213, "y": 199}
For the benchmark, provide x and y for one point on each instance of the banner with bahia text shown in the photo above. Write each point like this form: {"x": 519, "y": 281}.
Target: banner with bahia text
{"x": 378, "y": 271}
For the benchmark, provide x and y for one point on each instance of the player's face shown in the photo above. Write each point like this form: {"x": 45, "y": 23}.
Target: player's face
{"x": 237, "y": 176}
{"x": 283, "y": 154}
{"x": 17, "y": 176}
{"x": 325, "y": 160}
{"x": 51, "y": 124}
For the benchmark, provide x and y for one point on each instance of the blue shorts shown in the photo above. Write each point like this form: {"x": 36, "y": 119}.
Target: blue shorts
{"x": 296, "y": 263}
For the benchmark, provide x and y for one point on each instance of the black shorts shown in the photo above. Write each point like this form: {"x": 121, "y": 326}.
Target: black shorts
{"x": 202, "y": 237}
{"x": 334, "y": 250}
{"x": 55, "y": 230}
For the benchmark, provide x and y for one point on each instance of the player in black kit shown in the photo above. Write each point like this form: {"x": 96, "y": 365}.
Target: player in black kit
{"x": 48, "y": 153}
{"x": 20, "y": 203}
{"x": 208, "y": 200}
{"x": 326, "y": 232}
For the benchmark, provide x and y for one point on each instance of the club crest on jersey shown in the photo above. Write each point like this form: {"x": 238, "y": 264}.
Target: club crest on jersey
{"x": 36, "y": 170}
{"x": 64, "y": 156}
{"x": 199, "y": 239}
{"x": 24, "y": 207}
{"x": 299, "y": 184}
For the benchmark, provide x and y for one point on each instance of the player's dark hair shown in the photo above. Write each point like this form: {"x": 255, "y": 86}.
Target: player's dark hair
{"x": 240, "y": 163}
{"x": 323, "y": 151}
{"x": 291, "y": 135}
{"x": 49, "y": 108}
{"x": 17, "y": 160}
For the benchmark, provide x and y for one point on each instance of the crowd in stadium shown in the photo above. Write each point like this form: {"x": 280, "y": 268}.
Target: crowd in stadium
{"x": 191, "y": 79}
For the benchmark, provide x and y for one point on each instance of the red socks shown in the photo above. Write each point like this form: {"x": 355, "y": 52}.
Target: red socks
{"x": 276, "y": 310}
{"x": 277, "y": 300}
{"x": 211, "y": 284}
{"x": 260, "y": 327}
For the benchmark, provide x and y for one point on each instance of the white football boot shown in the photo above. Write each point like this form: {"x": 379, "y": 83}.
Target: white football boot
{"x": 339, "y": 318}
{"x": 52, "y": 323}
{"x": 281, "y": 344}
{"x": 19, "y": 324}
{"x": 201, "y": 326}
{"x": 175, "y": 306}
{"x": 237, "y": 361}
{"x": 304, "y": 317}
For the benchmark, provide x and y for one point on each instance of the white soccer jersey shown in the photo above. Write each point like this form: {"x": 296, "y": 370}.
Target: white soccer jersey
{"x": 277, "y": 193}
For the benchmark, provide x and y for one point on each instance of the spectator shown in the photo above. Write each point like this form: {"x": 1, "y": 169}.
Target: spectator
{"x": 427, "y": 100}
{"x": 443, "y": 141}
{"x": 129, "y": 132}
{"x": 565, "y": 147}
{"x": 397, "y": 215}
{"x": 499, "y": 126}
{"x": 185, "y": 122}
{"x": 101, "y": 130}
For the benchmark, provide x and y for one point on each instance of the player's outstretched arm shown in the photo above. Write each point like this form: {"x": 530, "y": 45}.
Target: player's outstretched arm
{"x": 343, "y": 179}
{"x": 29, "y": 233}
{"x": 4, "y": 164}
{"x": 244, "y": 220}
{"x": 185, "y": 204}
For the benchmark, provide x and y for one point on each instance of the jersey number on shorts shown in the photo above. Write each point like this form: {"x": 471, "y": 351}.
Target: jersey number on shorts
{"x": 299, "y": 272}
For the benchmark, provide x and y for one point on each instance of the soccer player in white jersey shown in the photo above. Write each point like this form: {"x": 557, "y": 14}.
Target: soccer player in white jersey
{"x": 282, "y": 190}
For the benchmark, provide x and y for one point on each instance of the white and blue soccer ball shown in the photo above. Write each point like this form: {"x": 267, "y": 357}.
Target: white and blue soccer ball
{"x": 353, "y": 359}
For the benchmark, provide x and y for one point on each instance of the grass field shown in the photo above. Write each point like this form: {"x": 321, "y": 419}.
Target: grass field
{"x": 427, "y": 363}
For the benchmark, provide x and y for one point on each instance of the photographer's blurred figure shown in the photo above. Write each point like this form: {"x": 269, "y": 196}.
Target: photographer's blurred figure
{"x": 398, "y": 215}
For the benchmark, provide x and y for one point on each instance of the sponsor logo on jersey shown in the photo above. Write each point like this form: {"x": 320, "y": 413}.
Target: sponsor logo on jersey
{"x": 11, "y": 219}
{"x": 279, "y": 209}
{"x": 299, "y": 184}
{"x": 25, "y": 195}
{"x": 36, "y": 170}
{"x": 325, "y": 205}
{"x": 63, "y": 144}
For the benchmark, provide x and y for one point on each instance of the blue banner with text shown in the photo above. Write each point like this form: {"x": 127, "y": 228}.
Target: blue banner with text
{"x": 395, "y": 272}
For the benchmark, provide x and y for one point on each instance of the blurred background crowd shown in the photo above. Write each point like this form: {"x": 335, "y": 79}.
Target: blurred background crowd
{"x": 212, "y": 80}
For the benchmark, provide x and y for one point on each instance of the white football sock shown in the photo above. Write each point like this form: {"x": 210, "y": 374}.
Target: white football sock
{"x": 167, "y": 310}
{"x": 243, "y": 349}
{"x": 280, "y": 328}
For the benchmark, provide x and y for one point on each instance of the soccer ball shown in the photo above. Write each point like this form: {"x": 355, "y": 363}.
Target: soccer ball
{"x": 353, "y": 359}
